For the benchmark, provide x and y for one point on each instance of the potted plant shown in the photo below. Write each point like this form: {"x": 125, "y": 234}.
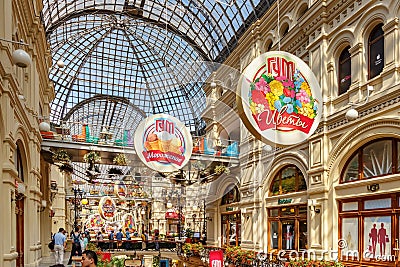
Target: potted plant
{"x": 220, "y": 169}
{"x": 121, "y": 160}
{"x": 91, "y": 157}
{"x": 61, "y": 156}
{"x": 189, "y": 235}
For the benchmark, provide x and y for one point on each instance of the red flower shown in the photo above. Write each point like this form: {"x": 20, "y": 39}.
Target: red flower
{"x": 258, "y": 97}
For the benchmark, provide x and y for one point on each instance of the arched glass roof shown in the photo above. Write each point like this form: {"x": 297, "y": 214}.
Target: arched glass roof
{"x": 156, "y": 54}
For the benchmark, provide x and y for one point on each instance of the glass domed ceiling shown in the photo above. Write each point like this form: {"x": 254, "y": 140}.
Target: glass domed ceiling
{"x": 155, "y": 54}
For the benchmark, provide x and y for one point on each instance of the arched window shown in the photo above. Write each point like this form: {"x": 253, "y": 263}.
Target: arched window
{"x": 376, "y": 54}
{"x": 288, "y": 180}
{"x": 268, "y": 46}
{"x": 231, "y": 196}
{"x": 19, "y": 164}
{"x": 377, "y": 158}
{"x": 344, "y": 70}
{"x": 302, "y": 10}
{"x": 285, "y": 30}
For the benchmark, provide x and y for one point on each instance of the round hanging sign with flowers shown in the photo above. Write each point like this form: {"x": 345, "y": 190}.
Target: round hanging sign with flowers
{"x": 280, "y": 98}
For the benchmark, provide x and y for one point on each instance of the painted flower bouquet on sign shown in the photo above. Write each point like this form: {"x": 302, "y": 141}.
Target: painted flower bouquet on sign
{"x": 284, "y": 102}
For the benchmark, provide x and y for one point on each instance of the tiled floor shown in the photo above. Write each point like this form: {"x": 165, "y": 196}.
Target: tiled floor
{"x": 49, "y": 261}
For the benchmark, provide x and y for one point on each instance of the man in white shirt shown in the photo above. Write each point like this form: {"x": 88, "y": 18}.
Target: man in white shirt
{"x": 60, "y": 242}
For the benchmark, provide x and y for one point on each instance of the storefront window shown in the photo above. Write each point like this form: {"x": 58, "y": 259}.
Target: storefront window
{"x": 288, "y": 180}
{"x": 370, "y": 233}
{"x": 231, "y": 226}
{"x": 288, "y": 230}
{"x": 376, "y": 158}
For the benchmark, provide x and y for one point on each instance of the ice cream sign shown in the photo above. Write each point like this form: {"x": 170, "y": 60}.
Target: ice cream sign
{"x": 280, "y": 98}
{"x": 163, "y": 143}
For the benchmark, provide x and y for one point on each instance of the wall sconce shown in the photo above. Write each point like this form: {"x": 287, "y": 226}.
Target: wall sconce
{"x": 17, "y": 196}
{"x": 53, "y": 190}
{"x": 352, "y": 113}
{"x": 43, "y": 206}
{"x": 312, "y": 204}
{"x": 169, "y": 205}
{"x": 19, "y": 57}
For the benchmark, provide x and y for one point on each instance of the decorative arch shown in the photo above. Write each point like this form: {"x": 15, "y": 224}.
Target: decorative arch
{"x": 355, "y": 138}
{"x": 339, "y": 42}
{"x": 368, "y": 21}
{"x": 289, "y": 158}
{"x": 22, "y": 141}
{"x": 301, "y": 10}
{"x": 223, "y": 185}
{"x": 284, "y": 29}
{"x": 231, "y": 195}
{"x": 268, "y": 44}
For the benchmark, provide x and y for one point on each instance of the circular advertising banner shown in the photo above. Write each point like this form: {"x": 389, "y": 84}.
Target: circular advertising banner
{"x": 107, "y": 208}
{"x": 280, "y": 99}
{"x": 120, "y": 190}
{"x": 128, "y": 221}
{"x": 163, "y": 143}
{"x": 95, "y": 221}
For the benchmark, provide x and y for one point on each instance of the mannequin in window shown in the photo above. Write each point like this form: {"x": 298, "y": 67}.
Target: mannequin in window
{"x": 232, "y": 238}
{"x": 373, "y": 236}
{"x": 382, "y": 239}
{"x": 215, "y": 136}
{"x": 289, "y": 237}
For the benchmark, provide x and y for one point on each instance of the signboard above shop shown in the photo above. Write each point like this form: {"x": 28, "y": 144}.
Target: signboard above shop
{"x": 163, "y": 143}
{"x": 279, "y": 99}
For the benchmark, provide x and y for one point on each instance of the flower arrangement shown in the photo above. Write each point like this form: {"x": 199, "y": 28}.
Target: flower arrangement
{"x": 219, "y": 169}
{"x": 237, "y": 255}
{"x": 121, "y": 160}
{"x": 91, "y": 157}
{"x": 61, "y": 156}
{"x": 284, "y": 95}
{"x": 188, "y": 232}
{"x": 104, "y": 259}
{"x": 314, "y": 263}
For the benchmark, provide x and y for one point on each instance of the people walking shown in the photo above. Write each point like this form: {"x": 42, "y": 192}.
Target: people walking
{"x": 84, "y": 241}
{"x": 76, "y": 245}
{"x": 60, "y": 242}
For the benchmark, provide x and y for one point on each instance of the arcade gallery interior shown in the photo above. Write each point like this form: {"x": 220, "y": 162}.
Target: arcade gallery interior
{"x": 271, "y": 125}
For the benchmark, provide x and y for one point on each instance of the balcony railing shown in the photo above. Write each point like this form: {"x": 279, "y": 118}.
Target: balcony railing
{"x": 120, "y": 137}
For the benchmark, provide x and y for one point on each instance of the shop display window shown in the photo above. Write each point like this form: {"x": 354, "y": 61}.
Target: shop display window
{"x": 376, "y": 158}
{"x": 231, "y": 227}
{"x": 288, "y": 229}
{"x": 370, "y": 230}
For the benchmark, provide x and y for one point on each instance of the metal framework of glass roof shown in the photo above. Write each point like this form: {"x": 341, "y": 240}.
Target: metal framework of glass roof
{"x": 154, "y": 54}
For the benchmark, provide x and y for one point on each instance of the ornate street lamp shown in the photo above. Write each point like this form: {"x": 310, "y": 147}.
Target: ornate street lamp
{"x": 77, "y": 193}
